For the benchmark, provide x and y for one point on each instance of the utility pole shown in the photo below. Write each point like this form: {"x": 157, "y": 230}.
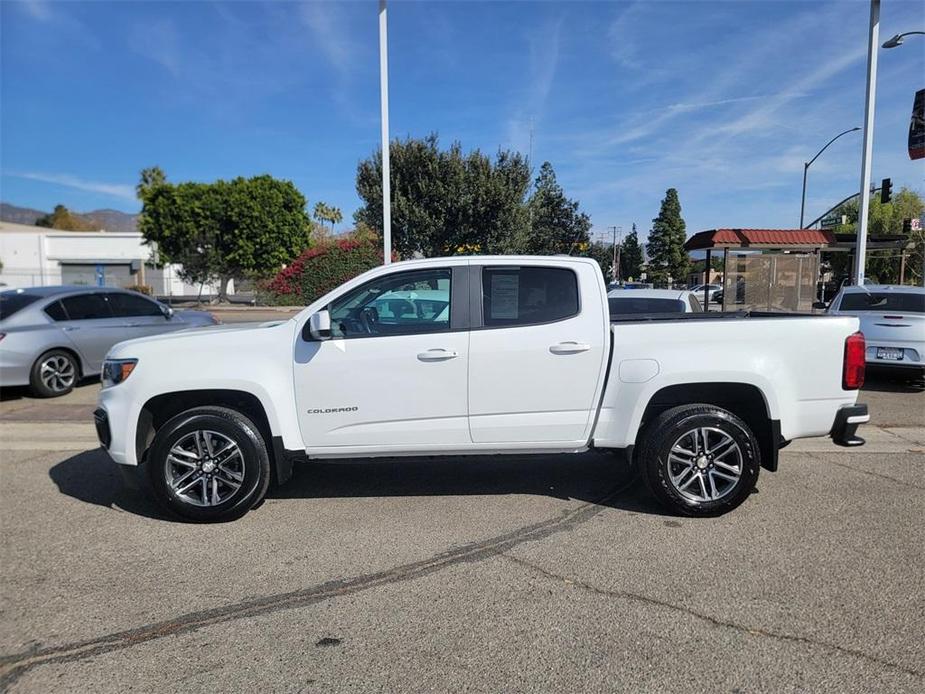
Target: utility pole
{"x": 616, "y": 253}
{"x": 869, "y": 106}
{"x": 384, "y": 106}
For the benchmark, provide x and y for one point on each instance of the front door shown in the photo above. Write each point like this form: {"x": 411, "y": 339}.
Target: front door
{"x": 535, "y": 363}
{"x": 92, "y": 328}
{"x": 393, "y": 375}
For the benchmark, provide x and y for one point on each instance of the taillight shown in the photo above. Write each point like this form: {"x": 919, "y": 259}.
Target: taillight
{"x": 852, "y": 375}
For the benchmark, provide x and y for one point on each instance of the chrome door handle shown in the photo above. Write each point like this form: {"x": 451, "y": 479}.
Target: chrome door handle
{"x": 437, "y": 355}
{"x": 69, "y": 328}
{"x": 569, "y": 348}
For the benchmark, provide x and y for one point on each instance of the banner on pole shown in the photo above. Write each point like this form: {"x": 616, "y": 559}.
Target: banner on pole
{"x": 917, "y": 127}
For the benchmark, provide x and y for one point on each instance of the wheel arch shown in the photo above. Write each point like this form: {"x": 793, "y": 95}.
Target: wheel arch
{"x": 745, "y": 400}
{"x": 160, "y": 408}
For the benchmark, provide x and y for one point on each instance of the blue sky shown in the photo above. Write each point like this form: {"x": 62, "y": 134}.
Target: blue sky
{"x": 723, "y": 101}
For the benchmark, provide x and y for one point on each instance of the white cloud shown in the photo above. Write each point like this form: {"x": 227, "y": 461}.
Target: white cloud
{"x": 38, "y": 9}
{"x": 326, "y": 23}
{"x": 158, "y": 41}
{"x": 116, "y": 190}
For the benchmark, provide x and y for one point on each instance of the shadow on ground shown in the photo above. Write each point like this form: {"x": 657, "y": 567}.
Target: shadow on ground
{"x": 880, "y": 380}
{"x": 591, "y": 477}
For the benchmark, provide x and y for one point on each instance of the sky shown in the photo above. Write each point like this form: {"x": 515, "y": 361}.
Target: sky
{"x": 722, "y": 100}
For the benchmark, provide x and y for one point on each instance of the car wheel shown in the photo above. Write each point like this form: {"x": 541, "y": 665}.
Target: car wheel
{"x": 54, "y": 374}
{"x": 699, "y": 460}
{"x": 209, "y": 464}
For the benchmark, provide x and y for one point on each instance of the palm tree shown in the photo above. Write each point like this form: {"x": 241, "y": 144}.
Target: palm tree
{"x": 327, "y": 213}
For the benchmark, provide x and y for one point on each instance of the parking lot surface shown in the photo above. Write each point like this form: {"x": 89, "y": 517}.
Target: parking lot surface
{"x": 552, "y": 573}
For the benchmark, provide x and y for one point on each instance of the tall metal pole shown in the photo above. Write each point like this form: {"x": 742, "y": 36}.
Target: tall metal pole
{"x": 384, "y": 104}
{"x": 872, "y": 46}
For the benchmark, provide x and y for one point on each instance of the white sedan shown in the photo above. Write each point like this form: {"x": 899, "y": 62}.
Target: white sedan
{"x": 646, "y": 301}
{"x": 893, "y": 323}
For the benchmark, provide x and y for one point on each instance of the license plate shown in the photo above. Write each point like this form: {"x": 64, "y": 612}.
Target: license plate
{"x": 889, "y": 353}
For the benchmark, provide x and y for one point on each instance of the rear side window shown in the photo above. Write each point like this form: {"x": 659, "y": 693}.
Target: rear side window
{"x": 528, "y": 295}
{"x": 621, "y": 306}
{"x": 86, "y": 307}
{"x": 11, "y": 302}
{"x": 883, "y": 301}
{"x": 56, "y": 311}
{"x": 132, "y": 305}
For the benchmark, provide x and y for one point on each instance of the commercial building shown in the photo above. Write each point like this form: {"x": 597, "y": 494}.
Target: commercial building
{"x": 36, "y": 256}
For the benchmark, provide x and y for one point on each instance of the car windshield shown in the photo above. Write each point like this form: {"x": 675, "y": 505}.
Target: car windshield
{"x": 883, "y": 302}
{"x": 11, "y": 302}
{"x": 632, "y": 305}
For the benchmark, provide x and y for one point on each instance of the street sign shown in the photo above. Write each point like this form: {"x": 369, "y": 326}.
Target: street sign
{"x": 917, "y": 127}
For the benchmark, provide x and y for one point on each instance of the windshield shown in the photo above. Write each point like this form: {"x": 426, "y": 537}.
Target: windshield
{"x": 11, "y": 302}
{"x": 883, "y": 302}
{"x": 623, "y": 306}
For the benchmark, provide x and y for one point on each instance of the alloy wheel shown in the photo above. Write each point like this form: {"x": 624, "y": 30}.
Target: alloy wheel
{"x": 705, "y": 464}
{"x": 58, "y": 373}
{"x": 204, "y": 468}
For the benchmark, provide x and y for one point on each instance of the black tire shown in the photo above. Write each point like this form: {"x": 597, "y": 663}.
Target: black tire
{"x": 666, "y": 474}
{"x": 219, "y": 424}
{"x": 65, "y": 377}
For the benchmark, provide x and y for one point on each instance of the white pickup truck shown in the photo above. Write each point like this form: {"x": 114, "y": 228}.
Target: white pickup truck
{"x": 478, "y": 355}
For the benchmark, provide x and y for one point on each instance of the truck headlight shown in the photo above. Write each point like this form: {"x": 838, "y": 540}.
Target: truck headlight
{"x": 117, "y": 370}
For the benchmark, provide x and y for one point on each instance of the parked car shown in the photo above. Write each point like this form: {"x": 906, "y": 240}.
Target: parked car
{"x": 50, "y": 337}
{"x": 893, "y": 322}
{"x": 645, "y": 301}
{"x": 525, "y": 359}
{"x": 710, "y": 288}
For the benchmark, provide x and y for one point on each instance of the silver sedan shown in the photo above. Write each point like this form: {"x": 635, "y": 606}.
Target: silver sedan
{"x": 50, "y": 337}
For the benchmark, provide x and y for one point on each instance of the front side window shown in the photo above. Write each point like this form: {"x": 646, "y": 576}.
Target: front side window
{"x": 403, "y": 303}
{"x": 86, "y": 307}
{"x": 124, "y": 305}
{"x": 513, "y": 296}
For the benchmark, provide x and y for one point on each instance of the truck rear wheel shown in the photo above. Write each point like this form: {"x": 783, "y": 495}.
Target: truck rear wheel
{"x": 209, "y": 464}
{"x": 699, "y": 460}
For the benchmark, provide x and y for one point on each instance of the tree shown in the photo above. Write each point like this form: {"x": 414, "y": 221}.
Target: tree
{"x": 327, "y": 213}
{"x": 603, "y": 254}
{"x": 445, "y": 202}
{"x": 62, "y": 218}
{"x": 556, "y": 224}
{"x": 885, "y": 220}
{"x": 667, "y": 257}
{"x": 245, "y": 227}
{"x": 631, "y": 258}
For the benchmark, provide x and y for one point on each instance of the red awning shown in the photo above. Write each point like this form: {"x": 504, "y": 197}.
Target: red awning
{"x": 760, "y": 238}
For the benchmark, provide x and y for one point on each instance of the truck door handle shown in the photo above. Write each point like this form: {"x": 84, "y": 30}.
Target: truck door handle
{"x": 569, "y": 348}
{"x": 69, "y": 328}
{"x": 437, "y": 355}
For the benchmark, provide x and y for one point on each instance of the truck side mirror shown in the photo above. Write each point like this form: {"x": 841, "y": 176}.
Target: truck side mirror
{"x": 319, "y": 325}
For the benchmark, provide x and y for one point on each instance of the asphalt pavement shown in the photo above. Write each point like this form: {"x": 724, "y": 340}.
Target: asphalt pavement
{"x": 552, "y": 573}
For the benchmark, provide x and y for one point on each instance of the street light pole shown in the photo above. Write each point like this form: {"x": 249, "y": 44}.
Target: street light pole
{"x": 869, "y": 105}
{"x": 384, "y": 105}
{"x": 807, "y": 164}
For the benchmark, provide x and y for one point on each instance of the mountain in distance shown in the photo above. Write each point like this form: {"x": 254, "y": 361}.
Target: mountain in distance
{"x": 110, "y": 220}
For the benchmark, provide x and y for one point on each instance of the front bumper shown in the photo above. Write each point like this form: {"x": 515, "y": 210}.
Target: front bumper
{"x": 847, "y": 420}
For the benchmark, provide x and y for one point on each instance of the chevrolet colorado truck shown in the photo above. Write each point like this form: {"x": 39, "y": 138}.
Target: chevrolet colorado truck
{"x": 478, "y": 355}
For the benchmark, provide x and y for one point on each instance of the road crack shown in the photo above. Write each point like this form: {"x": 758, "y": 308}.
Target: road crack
{"x": 712, "y": 621}
{"x": 13, "y": 666}
{"x": 888, "y": 478}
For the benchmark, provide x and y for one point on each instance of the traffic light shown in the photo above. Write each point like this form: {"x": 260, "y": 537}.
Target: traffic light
{"x": 886, "y": 191}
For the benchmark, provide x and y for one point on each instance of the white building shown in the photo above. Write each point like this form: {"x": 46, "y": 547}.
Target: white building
{"x": 35, "y": 257}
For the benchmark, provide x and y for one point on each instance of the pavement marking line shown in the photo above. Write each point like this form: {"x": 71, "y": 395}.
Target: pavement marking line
{"x": 713, "y": 621}
{"x": 13, "y": 666}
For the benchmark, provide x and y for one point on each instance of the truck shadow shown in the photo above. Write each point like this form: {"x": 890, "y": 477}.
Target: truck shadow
{"x": 592, "y": 477}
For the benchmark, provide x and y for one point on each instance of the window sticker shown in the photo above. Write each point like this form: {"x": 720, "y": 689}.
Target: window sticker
{"x": 505, "y": 294}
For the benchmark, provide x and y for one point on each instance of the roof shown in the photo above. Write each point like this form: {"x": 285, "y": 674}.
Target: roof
{"x": 60, "y": 289}
{"x": 904, "y": 288}
{"x": 760, "y": 238}
{"x": 647, "y": 293}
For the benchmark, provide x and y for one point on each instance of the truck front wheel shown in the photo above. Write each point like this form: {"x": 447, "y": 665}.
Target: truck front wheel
{"x": 209, "y": 464}
{"x": 699, "y": 460}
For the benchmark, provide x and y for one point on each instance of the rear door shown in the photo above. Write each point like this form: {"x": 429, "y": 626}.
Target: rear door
{"x": 91, "y": 327}
{"x": 536, "y": 354}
